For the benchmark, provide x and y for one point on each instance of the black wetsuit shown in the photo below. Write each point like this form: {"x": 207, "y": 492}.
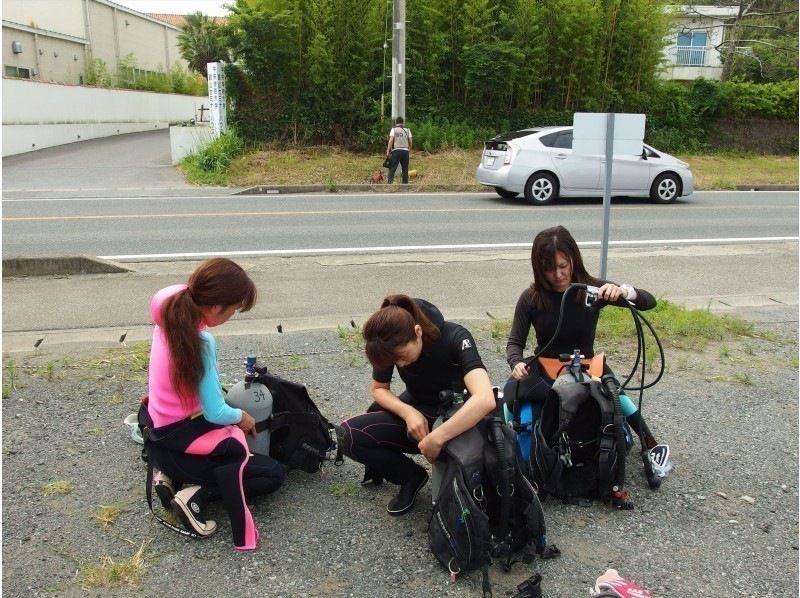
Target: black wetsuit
{"x": 578, "y": 328}
{"x": 379, "y": 438}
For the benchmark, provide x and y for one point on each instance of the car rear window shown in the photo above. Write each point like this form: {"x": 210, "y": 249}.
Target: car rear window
{"x": 498, "y": 142}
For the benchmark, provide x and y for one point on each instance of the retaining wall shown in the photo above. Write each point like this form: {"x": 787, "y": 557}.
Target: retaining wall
{"x": 38, "y": 115}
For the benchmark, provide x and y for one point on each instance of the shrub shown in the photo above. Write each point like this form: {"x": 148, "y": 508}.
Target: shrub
{"x": 210, "y": 165}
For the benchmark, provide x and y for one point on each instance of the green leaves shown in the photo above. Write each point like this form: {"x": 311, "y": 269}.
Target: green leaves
{"x": 200, "y": 42}
{"x": 319, "y": 71}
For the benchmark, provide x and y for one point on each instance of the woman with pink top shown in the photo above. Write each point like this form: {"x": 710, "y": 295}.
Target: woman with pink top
{"x": 197, "y": 441}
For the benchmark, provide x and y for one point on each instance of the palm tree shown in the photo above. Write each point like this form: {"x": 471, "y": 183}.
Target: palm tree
{"x": 200, "y": 42}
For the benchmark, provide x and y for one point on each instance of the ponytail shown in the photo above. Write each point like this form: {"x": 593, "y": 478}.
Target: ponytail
{"x": 181, "y": 319}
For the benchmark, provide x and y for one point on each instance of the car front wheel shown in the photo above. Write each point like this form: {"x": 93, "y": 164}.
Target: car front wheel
{"x": 505, "y": 194}
{"x": 666, "y": 188}
{"x": 541, "y": 189}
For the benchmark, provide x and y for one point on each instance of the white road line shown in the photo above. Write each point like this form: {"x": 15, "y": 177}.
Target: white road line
{"x": 414, "y": 248}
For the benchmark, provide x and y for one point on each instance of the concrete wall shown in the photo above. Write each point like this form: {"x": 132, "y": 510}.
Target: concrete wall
{"x": 38, "y": 115}
{"x": 64, "y": 16}
{"x": 47, "y": 56}
{"x": 184, "y": 141}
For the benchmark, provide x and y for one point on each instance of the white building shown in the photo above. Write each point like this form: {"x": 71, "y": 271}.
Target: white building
{"x": 697, "y": 33}
{"x": 54, "y": 41}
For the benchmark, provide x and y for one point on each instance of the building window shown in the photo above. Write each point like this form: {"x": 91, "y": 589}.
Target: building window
{"x": 691, "y": 48}
{"x": 17, "y": 71}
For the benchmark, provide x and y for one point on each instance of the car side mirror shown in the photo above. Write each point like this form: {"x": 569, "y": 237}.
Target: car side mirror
{"x": 644, "y": 154}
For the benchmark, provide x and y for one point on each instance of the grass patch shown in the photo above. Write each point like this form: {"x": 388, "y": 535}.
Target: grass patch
{"x": 344, "y": 489}
{"x": 353, "y": 342}
{"x": 500, "y": 329}
{"x": 10, "y": 379}
{"x": 292, "y": 363}
{"x": 48, "y": 370}
{"x": 210, "y": 165}
{"x": 676, "y": 326}
{"x": 738, "y": 378}
{"x": 295, "y": 363}
{"x": 332, "y": 166}
{"x": 725, "y": 171}
{"x": 110, "y": 573}
{"x": 57, "y": 487}
{"x": 135, "y": 356}
{"x": 107, "y": 515}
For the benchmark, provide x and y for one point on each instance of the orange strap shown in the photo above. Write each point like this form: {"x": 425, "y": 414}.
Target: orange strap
{"x": 554, "y": 367}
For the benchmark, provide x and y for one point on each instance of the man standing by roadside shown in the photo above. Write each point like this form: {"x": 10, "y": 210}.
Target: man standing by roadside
{"x": 398, "y": 150}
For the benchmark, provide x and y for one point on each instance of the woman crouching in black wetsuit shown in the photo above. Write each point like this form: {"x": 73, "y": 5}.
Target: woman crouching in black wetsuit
{"x": 431, "y": 355}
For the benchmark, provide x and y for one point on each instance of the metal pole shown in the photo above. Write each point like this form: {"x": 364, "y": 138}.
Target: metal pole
{"x": 607, "y": 193}
{"x": 399, "y": 59}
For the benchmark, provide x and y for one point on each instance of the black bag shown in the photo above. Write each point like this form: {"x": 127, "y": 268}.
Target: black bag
{"x": 387, "y": 162}
{"x": 485, "y": 506}
{"x": 576, "y": 453}
{"x": 300, "y": 436}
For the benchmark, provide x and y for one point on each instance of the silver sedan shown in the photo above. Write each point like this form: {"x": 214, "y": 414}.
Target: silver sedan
{"x": 539, "y": 163}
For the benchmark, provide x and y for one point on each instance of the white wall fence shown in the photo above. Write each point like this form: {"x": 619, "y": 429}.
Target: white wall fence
{"x": 38, "y": 115}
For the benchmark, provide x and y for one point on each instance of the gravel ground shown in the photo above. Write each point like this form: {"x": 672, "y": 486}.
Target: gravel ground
{"x": 724, "y": 524}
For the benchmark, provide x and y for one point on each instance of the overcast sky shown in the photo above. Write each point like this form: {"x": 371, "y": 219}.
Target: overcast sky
{"x": 178, "y": 7}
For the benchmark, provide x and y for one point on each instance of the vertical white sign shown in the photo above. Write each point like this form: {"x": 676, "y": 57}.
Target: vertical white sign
{"x": 216, "y": 98}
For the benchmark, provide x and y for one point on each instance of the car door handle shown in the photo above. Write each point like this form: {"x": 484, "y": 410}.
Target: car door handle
{"x": 561, "y": 156}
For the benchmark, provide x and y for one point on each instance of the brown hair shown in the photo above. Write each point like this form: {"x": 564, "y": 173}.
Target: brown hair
{"x": 546, "y": 245}
{"x": 216, "y": 282}
{"x": 392, "y": 327}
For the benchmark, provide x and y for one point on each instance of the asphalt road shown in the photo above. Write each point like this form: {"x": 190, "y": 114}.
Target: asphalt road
{"x": 177, "y": 227}
{"x": 124, "y": 163}
{"x": 120, "y": 198}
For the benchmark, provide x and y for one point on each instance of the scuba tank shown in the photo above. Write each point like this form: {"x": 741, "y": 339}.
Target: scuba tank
{"x": 255, "y": 398}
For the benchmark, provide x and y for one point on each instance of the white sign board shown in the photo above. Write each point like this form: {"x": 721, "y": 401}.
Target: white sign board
{"x": 216, "y": 98}
{"x": 589, "y": 134}
{"x": 605, "y": 136}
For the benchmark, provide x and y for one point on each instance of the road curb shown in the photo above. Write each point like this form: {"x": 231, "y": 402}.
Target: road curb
{"x": 60, "y": 265}
{"x": 359, "y": 188}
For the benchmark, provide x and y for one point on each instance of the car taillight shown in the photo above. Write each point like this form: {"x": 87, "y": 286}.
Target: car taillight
{"x": 510, "y": 153}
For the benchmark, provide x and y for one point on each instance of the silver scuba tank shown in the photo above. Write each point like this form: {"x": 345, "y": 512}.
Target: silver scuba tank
{"x": 256, "y": 399}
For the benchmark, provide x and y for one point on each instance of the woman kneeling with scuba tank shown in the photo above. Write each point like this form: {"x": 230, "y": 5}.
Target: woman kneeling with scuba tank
{"x": 192, "y": 436}
{"x": 557, "y": 264}
{"x": 431, "y": 355}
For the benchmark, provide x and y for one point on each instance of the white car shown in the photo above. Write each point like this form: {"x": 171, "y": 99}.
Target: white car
{"x": 539, "y": 163}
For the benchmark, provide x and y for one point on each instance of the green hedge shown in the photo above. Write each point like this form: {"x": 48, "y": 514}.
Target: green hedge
{"x": 767, "y": 100}
{"x": 680, "y": 117}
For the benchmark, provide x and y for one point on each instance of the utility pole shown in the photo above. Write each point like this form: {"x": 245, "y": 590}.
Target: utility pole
{"x": 399, "y": 60}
